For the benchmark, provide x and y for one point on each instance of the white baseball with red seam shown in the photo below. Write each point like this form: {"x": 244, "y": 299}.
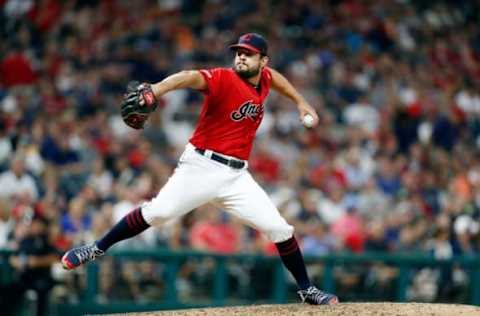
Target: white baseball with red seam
{"x": 308, "y": 120}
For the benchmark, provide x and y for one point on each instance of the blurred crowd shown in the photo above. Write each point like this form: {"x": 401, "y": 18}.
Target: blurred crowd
{"x": 394, "y": 165}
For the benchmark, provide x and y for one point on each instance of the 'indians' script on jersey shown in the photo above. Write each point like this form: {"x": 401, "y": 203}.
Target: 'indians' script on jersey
{"x": 232, "y": 112}
{"x": 248, "y": 110}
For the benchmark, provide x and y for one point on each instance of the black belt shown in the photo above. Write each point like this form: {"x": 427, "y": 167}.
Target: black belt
{"x": 233, "y": 163}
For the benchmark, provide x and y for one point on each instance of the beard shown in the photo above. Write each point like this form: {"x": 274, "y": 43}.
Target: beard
{"x": 248, "y": 73}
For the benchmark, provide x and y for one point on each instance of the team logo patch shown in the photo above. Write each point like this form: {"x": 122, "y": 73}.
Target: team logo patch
{"x": 246, "y": 37}
{"x": 247, "y": 109}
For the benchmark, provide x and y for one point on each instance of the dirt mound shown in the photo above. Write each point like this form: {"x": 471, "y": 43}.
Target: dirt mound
{"x": 344, "y": 309}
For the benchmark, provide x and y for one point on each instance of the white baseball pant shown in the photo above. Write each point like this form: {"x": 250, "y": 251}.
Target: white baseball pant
{"x": 198, "y": 180}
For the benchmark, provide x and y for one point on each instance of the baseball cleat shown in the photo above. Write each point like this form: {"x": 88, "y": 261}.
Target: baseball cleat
{"x": 314, "y": 296}
{"x": 78, "y": 256}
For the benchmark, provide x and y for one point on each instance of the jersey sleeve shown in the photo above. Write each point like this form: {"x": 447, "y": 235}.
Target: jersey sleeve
{"x": 213, "y": 77}
{"x": 268, "y": 75}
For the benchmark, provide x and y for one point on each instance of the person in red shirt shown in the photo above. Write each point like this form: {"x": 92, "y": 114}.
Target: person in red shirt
{"x": 214, "y": 234}
{"x": 213, "y": 167}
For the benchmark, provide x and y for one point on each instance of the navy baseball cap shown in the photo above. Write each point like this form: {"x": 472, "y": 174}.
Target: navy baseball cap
{"x": 253, "y": 42}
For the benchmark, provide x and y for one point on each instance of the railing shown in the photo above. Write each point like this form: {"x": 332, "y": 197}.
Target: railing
{"x": 173, "y": 260}
{"x": 219, "y": 291}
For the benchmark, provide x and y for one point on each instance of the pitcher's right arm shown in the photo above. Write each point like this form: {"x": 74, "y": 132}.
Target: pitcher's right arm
{"x": 184, "y": 79}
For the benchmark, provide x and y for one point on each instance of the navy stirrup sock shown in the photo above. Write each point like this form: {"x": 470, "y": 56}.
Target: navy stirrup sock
{"x": 129, "y": 226}
{"x": 292, "y": 258}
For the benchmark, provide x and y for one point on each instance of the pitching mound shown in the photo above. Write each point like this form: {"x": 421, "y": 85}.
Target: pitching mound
{"x": 344, "y": 309}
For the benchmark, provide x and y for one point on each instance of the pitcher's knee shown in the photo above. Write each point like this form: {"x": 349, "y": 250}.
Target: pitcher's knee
{"x": 156, "y": 215}
{"x": 280, "y": 233}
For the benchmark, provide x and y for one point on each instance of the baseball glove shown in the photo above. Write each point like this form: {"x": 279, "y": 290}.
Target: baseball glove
{"x": 134, "y": 112}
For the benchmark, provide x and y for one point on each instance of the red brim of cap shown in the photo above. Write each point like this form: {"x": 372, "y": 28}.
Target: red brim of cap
{"x": 245, "y": 46}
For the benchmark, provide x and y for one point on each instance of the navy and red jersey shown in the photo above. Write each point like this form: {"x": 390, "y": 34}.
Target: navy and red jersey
{"x": 231, "y": 112}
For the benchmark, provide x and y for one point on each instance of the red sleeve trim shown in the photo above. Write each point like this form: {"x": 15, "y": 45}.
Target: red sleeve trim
{"x": 208, "y": 76}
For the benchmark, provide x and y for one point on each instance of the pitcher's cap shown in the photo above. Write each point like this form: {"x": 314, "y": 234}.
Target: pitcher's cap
{"x": 253, "y": 42}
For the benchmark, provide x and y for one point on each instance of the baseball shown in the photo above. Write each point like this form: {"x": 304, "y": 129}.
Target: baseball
{"x": 307, "y": 120}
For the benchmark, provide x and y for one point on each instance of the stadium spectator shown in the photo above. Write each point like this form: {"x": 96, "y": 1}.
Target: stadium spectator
{"x": 17, "y": 185}
{"x": 32, "y": 261}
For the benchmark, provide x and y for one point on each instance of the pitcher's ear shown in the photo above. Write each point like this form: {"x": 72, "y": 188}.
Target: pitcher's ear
{"x": 264, "y": 60}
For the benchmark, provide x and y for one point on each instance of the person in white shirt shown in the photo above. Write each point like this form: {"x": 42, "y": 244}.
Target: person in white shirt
{"x": 16, "y": 183}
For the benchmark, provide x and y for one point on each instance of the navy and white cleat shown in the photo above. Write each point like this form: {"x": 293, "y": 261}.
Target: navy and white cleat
{"x": 75, "y": 257}
{"x": 314, "y": 296}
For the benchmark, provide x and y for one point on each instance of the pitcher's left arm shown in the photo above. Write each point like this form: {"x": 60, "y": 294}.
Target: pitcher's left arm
{"x": 284, "y": 87}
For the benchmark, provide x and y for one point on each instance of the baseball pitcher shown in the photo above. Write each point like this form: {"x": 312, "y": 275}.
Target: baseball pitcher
{"x": 213, "y": 167}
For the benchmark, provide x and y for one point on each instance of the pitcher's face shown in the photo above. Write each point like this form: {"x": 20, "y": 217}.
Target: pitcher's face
{"x": 248, "y": 64}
